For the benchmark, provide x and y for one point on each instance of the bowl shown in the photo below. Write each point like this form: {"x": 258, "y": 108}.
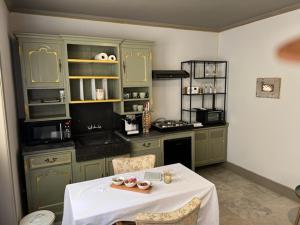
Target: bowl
{"x": 144, "y": 185}
{"x": 130, "y": 182}
{"x": 118, "y": 180}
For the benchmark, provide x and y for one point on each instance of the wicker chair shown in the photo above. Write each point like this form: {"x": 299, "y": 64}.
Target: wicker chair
{"x": 125, "y": 165}
{"x": 186, "y": 215}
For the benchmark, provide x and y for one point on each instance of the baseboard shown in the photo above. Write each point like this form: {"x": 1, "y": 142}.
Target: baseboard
{"x": 265, "y": 182}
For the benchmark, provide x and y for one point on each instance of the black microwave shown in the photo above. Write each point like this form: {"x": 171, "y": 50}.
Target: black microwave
{"x": 209, "y": 116}
{"x": 35, "y": 133}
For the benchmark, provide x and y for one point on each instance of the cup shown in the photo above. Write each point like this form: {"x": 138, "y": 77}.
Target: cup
{"x": 99, "y": 94}
{"x": 167, "y": 177}
{"x": 142, "y": 94}
{"x": 62, "y": 95}
{"x": 134, "y": 94}
{"x": 140, "y": 108}
{"x": 135, "y": 107}
{"x": 126, "y": 95}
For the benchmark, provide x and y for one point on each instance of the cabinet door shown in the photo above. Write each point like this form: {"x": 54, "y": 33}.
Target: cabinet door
{"x": 136, "y": 65}
{"x": 42, "y": 65}
{"x": 90, "y": 170}
{"x": 202, "y": 153}
{"x": 109, "y": 167}
{"x": 217, "y": 144}
{"x": 48, "y": 187}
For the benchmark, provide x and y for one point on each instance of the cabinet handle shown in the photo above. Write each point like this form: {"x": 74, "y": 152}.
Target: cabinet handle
{"x": 147, "y": 145}
{"x": 59, "y": 64}
{"x": 50, "y": 161}
{"x": 124, "y": 67}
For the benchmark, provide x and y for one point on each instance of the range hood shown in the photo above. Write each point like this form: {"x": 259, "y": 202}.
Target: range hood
{"x": 169, "y": 74}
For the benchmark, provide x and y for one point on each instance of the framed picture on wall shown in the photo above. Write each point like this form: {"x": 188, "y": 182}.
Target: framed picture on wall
{"x": 268, "y": 87}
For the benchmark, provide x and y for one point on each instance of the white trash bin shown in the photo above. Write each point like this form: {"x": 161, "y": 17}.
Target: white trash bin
{"x": 41, "y": 217}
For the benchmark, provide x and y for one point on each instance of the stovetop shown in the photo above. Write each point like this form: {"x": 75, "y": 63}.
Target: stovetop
{"x": 171, "y": 125}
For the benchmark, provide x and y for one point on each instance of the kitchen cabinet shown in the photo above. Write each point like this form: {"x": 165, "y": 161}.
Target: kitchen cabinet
{"x": 210, "y": 145}
{"x": 145, "y": 147}
{"x": 89, "y": 170}
{"x": 136, "y": 74}
{"x": 85, "y": 74}
{"x": 108, "y": 164}
{"x": 43, "y": 80}
{"x": 136, "y": 64}
{"x": 47, "y": 175}
{"x": 41, "y": 61}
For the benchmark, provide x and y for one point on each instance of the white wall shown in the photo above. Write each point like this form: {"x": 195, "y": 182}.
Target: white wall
{"x": 263, "y": 133}
{"x": 171, "y": 47}
{"x": 10, "y": 207}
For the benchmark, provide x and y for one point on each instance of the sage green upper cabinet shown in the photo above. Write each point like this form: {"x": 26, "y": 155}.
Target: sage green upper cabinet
{"x": 41, "y": 60}
{"x": 136, "y": 64}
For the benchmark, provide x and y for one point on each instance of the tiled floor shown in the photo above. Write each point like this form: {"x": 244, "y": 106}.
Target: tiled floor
{"x": 243, "y": 202}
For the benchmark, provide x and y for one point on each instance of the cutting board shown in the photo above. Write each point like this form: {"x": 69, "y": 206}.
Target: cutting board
{"x": 134, "y": 189}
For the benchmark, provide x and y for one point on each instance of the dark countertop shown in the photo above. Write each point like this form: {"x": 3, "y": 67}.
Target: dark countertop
{"x": 45, "y": 148}
{"x": 152, "y": 134}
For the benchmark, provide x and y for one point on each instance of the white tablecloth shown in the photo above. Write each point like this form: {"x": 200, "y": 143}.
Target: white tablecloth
{"x": 96, "y": 203}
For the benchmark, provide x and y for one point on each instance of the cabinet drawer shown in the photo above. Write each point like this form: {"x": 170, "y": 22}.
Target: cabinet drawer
{"x": 50, "y": 160}
{"x": 143, "y": 145}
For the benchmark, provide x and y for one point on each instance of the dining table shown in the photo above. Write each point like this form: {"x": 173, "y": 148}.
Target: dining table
{"x": 95, "y": 202}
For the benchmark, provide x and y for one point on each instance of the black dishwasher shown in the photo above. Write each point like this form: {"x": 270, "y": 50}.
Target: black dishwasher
{"x": 178, "y": 150}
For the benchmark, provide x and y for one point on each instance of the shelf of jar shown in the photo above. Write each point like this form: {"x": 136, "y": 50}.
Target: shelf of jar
{"x": 94, "y": 101}
{"x": 219, "y": 93}
{"x": 92, "y": 61}
{"x": 135, "y": 99}
{"x": 209, "y": 77}
{"x": 94, "y": 77}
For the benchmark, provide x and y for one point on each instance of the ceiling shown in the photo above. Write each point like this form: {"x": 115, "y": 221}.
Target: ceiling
{"x": 210, "y": 15}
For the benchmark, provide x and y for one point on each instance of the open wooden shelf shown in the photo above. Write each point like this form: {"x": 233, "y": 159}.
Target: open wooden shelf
{"x": 45, "y": 104}
{"x": 92, "y": 61}
{"x": 135, "y": 99}
{"x": 94, "y": 101}
{"x": 94, "y": 77}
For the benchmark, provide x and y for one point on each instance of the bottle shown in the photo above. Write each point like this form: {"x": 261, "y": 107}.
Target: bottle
{"x": 210, "y": 89}
{"x": 215, "y": 90}
{"x": 205, "y": 89}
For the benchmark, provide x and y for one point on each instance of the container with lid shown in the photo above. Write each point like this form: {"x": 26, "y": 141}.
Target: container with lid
{"x": 41, "y": 217}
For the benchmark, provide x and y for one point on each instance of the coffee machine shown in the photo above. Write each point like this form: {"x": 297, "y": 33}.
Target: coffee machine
{"x": 132, "y": 124}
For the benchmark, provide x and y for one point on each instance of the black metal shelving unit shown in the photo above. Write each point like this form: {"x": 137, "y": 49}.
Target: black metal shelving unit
{"x": 219, "y": 73}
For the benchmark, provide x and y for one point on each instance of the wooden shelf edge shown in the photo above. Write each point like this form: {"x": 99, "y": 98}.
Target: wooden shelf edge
{"x": 94, "y": 77}
{"x": 135, "y": 99}
{"x": 47, "y": 104}
{"x": 94, "y": 101}
{"x": 92, "y": 61}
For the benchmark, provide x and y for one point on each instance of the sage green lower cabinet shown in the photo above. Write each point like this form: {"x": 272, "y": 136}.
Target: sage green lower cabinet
{"x": 89, "y": 170}
{"x": 145, "y": 147}
{"x": 108, "y": 164}
{"x": 210, "y": 146}
{"x": 47, "y": 175}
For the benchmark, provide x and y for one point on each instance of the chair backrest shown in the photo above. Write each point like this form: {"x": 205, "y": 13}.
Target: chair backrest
{"x": 186, "y": 215}
{"x": 125, "y": 165}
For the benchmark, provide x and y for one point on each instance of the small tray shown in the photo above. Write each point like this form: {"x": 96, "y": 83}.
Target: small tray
{"x": 134, "y": 189}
